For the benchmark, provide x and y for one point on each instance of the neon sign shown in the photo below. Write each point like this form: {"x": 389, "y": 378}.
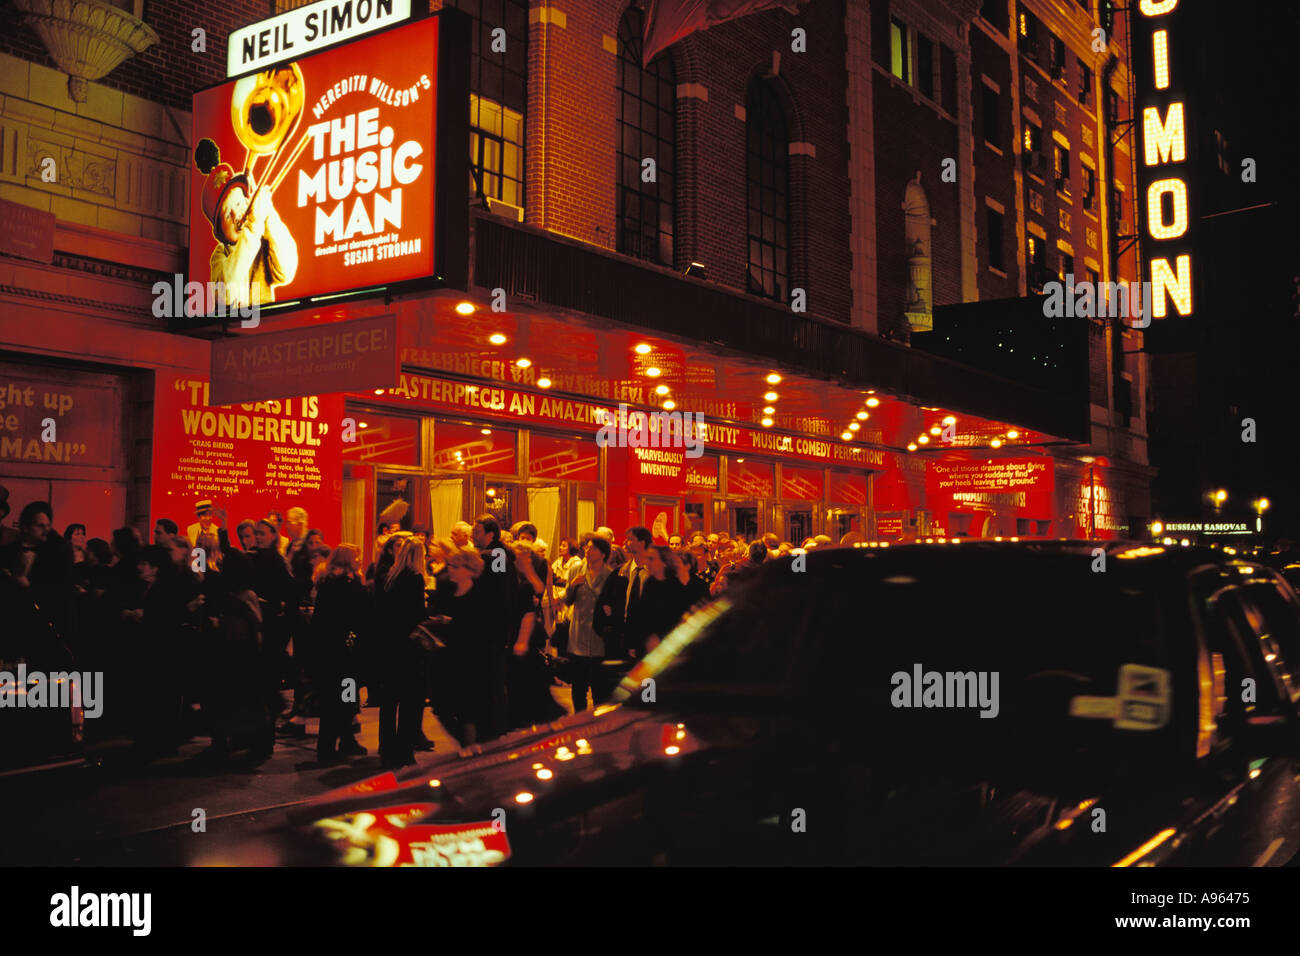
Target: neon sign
{"x": 1164, "y": 143}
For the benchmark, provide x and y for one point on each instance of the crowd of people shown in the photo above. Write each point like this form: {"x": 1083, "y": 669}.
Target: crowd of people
{"x": 241, "y": 635}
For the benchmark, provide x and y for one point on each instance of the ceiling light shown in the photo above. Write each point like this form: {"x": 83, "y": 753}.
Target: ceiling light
{"x": 774, "y": 379}
{"x": 543, "y": 383}
{"x": 653, "y": 372}
{"x": 465, "y": 308}
{"x": 643, "y": 349}
{"x": 523, "y": 363}
{"x": 523, "y": 797}
{"x": 872, "y": 402}
{"x": 496, "y": 338}
{"x": 771, "y": 397}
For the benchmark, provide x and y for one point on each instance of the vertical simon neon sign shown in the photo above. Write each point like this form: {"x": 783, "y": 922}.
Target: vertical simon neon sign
{"x": 1164, "y": 143}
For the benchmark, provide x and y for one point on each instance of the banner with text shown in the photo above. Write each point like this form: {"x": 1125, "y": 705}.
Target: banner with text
{"x": 247, "y": 459}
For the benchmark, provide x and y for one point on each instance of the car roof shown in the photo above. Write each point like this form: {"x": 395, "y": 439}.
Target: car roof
{"x": 1147, "y": 557}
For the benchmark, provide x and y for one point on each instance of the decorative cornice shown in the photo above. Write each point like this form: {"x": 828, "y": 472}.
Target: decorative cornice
{"x": 86, "y": 38}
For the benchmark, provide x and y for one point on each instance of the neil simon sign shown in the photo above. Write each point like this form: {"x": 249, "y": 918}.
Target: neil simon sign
{"x": 313, "y": 27}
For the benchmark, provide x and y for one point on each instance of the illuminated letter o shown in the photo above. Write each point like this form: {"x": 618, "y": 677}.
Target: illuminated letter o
{"x": 1155, "y": 217}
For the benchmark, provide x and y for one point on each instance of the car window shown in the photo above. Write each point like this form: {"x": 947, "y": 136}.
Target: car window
{"x": 1243, "y": 657}
{"x": 1275, "y": 616}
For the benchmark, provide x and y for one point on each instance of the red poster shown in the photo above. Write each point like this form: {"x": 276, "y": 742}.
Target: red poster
{"x": 58, "y": 418}
{"x": 572, "y": 458}
{"x": 248, "y": 459}
{"x": 702, "y": 474}
{"x": 1019, "y": 486}
{"x": 335, "y": 154}
{"x": 802, "y": 483}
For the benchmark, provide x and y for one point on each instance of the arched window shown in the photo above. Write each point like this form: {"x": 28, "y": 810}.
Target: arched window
{"x": 767, "y": 178}
{"x": 647, "y": 119}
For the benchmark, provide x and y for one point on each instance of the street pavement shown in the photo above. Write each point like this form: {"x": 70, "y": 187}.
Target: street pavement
{"x": 111, "y": 812}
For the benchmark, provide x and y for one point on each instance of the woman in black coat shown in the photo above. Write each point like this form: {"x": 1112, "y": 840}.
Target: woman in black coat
{"x": 662, "y": 595}
{"x": 464, "y": 670}
{"x": 401, "y": 607}
{"x": 339, "y": 619}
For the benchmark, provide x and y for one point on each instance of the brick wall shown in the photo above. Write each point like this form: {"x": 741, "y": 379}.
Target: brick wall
{"x": 571, "y": 169}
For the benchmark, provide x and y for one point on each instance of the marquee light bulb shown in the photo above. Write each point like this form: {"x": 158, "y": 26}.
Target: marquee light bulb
{"x": 872, "y": 402}
{"x": 847, "y": 436}
{"x": 653, "y": 372}
{"x": 863, "y": 416}
{"x": 643, "y": 349}
{"x": 766, "y": 423}
{"x": 543, "y": 383}
{"x": 523, "y": 363}
{"x": 911, "y": 446}
{"x": 769, "y": 410}
{"x": 496, "y": 338}
{"x": 465, "y": 308}
{"x": 854, "y": 426}
{"x": 774, "y": 379}
{"x": 661, "y": 389}
{"x": 771, "y": 397}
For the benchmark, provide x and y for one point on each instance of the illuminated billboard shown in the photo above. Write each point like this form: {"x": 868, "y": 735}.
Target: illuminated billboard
{"x": 1162, "y": 158}
{"x": 320, "y": 176}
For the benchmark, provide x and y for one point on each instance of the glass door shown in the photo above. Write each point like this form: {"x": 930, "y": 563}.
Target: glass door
{"x": 798, "y": 525}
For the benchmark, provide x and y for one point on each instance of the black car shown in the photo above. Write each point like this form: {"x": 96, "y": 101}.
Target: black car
{"x": 1066, "y": 703}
